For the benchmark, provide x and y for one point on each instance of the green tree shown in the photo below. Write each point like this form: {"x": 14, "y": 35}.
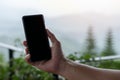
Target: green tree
{"x": 90, "y": 45}
{"x": 109, "y": 50}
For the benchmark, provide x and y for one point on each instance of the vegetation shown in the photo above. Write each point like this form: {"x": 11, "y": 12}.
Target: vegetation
{"x": 90, "y": 42}
{"x": 90, "y": 53}
{"x": 90, "y": 46}
{"x": 23, "y": 71}
{"x": 109, "y": 50}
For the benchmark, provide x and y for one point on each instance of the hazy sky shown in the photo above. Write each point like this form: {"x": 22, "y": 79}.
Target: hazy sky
{"x": 80, "y": 6}
{"x": 12, "y": 10}
{"x": 61, "y": 7}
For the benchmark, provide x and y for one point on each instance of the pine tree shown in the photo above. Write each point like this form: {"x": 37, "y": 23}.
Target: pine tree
{"x": 109, "y": 45}
{"x": 90, "y": 45}
{"x": 90, "y": 40}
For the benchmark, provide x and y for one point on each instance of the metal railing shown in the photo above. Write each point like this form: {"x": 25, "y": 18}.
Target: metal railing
{"x": 11, "y": 50}
{"x": 100, "y": 58}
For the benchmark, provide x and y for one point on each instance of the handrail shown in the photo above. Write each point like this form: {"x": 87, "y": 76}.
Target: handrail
{"x": 95, "y": 59}
{"x": 11, "y": 47}
{"x": 107, "y": 57}
{"x": 11, "y": 56}
{"x": 101, "y": 58}
{"x": 11, "y": 50}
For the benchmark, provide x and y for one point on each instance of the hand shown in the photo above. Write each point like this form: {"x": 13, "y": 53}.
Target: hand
{"x": 56, "y": 63}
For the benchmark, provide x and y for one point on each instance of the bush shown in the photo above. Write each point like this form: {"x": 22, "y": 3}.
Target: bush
{"x": 85, "y": 59}
{"x": 3, "y": 69}
{"x": 110, "y": 64}
{"x": 23, "y": 71}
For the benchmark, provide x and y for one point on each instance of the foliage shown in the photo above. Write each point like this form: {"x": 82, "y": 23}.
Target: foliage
{"x": 107, "y": 64}
{"x": 109, "y": 45}
{"x": 110, "y": 64}
{"x": 73, "y": 56}
{"x": 23, "y": 71}
{"x": 89, "y": 54}
{"x": 90, "y": 41}
{"x": 20, "y": 69}
{"x": 86, "y": 57}
{"x": 1, "y": 58}
{"x": 3, "y": 68}
{"x": 3, "y": 72}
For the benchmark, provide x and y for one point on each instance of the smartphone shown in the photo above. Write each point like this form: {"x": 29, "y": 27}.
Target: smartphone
{"x": 36, "y": 37}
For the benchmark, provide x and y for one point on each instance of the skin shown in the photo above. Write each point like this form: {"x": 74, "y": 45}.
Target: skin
{"x": 60, "y": 65}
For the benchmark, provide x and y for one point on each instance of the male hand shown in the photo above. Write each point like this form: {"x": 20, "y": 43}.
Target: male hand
{"x": 56, "y": 63}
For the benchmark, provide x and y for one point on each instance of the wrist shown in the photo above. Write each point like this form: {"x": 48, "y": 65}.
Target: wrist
{"x": 67, "y": 69}
{"x": 62, "y": 66}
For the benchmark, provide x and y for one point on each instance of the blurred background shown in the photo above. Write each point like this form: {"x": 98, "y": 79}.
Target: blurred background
{"x": 85, "y": 28}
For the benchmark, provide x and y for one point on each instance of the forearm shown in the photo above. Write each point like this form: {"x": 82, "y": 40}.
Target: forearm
{"x": 74, "y": 71}
{"x": 109, "y": 74}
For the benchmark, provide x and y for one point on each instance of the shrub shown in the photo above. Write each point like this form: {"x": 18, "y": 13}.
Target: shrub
{"x": 22, "y": 71}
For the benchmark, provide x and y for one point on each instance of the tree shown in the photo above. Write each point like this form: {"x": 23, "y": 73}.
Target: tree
{"x": 90, "y": 45}
{"x": 109, "y": 45}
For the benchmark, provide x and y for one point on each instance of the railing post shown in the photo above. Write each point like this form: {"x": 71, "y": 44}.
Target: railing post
{"x": 56, "y": 77}
{"x": 11, "y": 63}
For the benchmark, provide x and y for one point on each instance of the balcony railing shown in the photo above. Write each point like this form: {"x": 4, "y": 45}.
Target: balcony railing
{"x": 11, "y": 50}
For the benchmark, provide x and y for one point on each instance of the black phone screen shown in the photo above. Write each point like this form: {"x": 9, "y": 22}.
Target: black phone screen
{"x": 36, "y": 36}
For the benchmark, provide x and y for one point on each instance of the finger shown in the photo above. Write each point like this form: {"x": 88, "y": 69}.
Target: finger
{"x": 27, "y": 59}
{"x": 25, "y": 43}
{"x": 26, "y": 51}
{"x": 39, "y": 64}
{"x": 51, "y": 36}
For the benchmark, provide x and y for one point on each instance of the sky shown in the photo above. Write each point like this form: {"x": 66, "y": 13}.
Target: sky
{"x": 62, "y": 7}
{"x": 80, "y": 6}
{"x": 12, "y": 10}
